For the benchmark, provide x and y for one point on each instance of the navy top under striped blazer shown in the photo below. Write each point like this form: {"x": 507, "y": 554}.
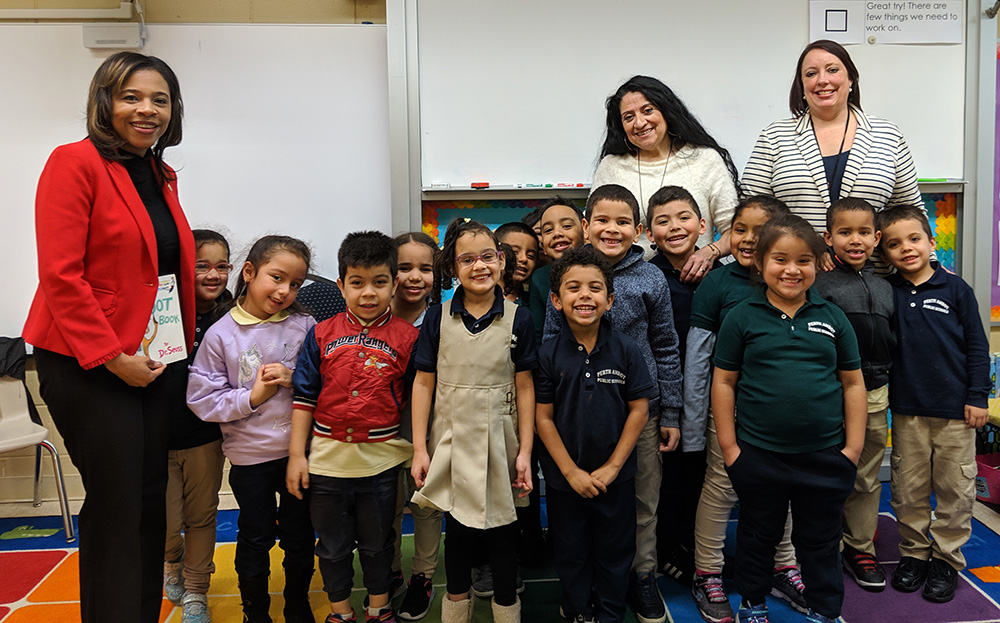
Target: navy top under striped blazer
{"x": 786, "y": 162}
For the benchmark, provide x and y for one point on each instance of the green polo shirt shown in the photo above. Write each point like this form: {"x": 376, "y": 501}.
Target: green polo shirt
{"x": 788, "y": 396}
{"x": 721, "y": 290}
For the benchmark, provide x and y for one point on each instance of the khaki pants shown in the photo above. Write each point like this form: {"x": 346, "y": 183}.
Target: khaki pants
{"x": 195, "y": 477}
{"x": 861, "y": 508}
{"x": 933, "y": 455}
{"x": 649, "y": 471}
{"x": 714, "y": 507}
{"x": 426, "y": 530}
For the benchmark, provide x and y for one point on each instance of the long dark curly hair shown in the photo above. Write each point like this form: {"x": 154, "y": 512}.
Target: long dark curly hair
{"x": 683, "y": 127}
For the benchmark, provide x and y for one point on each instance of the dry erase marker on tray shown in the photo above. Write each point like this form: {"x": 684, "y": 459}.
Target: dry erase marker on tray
{"x": 480, "y": 185}
{"x": 570, "y": 185}
{"x": 440, "y": 185}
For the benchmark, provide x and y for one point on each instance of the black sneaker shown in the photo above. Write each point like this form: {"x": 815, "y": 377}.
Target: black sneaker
{"x": 679, "y": 565}
{"x": 864, "y": 569}
{"x": 909, "y": 575}
{"x": 396, "y": 586}
{"x": 417, "y": 602}
{"x": 645, "y": 599}
{"x": 787, "y": 584}
{"x": 942, "y": 580}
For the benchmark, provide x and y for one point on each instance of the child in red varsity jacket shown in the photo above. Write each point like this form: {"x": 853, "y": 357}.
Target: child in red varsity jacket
{"x": 350, "y": 382}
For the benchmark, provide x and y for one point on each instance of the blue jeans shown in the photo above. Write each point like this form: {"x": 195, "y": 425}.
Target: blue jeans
{"x": 349, "y": 513}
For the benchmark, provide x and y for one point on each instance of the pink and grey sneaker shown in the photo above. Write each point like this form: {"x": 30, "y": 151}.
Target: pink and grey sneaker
{"x": 787, "y": 584}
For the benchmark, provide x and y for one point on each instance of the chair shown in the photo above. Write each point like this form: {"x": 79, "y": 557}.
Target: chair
{"x": 18, "y": 431}
{"x": 321, "y": 298}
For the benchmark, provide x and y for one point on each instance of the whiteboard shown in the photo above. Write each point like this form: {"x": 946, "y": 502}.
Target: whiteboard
{"x": 286, "y": 131}
{"x": 513, "y": 91}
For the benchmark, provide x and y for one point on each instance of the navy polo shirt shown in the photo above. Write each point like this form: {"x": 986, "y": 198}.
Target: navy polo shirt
{"x": 681, "y": 294}
{"x": 941, "y": 362}
{"x": 590, "y": 393}
{"x": 788, "y": 397}
{"x": 523, "y": 351}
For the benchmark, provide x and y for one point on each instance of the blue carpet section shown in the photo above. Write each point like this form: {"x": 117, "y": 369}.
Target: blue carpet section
{"x": 19, "y": 533}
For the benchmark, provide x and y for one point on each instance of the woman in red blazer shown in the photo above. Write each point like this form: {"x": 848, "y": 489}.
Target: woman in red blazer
{"x": 108, "y": 223}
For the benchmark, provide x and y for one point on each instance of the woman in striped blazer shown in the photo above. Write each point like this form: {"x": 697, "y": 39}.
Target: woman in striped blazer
{"x": 830, "y": 149}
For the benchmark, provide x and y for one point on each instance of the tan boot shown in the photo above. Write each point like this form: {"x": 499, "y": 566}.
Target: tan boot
{"x": 507, "y": 614}
{"x": 456, "y": 611}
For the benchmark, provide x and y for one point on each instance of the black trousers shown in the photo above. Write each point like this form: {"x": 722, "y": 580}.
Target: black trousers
{"x": 680, "y": 490}
{"x": 261, "y": 521}
{"x": 816, "y": 484}
{"x": 116, "y": 436}
{"x": 594, "y": 543}
{"x": 349, "y": 514}
{"x": 463, "y": 547}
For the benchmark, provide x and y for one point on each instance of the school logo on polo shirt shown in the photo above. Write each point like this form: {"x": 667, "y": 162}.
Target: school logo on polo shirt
{"x": 936, "y": 305}
{"x": 611, "y": 376}
{"x": 821, "y": 327}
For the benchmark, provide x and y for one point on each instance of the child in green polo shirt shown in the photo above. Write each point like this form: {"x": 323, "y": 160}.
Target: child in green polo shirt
{"x": 719, "y": 292}
{"x": 788, "y": 362}
{"x": 560, "y": 230}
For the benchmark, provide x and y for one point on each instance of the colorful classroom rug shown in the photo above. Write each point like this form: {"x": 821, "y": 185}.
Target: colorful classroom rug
{"x": 40, "y": 580}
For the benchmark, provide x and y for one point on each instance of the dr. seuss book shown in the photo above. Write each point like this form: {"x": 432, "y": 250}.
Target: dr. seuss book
{"x": 164, "y": 337}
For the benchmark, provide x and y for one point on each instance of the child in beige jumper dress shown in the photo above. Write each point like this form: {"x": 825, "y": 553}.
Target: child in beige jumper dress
{"x": 475, "y": 362}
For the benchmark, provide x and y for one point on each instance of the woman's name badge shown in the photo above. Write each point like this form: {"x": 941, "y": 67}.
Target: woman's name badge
{"x": 164, "y": 337}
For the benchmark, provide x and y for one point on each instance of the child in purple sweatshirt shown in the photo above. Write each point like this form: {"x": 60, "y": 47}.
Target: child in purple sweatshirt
{"x": 242, "y": 378}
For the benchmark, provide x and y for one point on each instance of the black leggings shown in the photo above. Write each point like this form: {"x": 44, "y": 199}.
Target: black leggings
{"x": 463, "y": 545}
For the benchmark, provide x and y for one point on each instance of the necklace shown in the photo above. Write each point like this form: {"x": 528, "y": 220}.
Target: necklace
{"x": 840, "y": 152}
{"x": 638, "y": 167}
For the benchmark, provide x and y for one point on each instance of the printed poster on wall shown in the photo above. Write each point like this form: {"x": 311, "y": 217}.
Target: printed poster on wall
{"x": 887, "y": 21}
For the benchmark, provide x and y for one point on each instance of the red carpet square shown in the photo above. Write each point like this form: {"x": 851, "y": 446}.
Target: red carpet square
{"x": 22, "y": 571}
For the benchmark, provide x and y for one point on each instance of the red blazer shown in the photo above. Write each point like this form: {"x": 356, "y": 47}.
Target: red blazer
{"x": 97, "y": 267}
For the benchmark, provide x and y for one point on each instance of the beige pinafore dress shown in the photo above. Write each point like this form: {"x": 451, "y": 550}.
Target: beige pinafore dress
{"x": 473, "y": 441}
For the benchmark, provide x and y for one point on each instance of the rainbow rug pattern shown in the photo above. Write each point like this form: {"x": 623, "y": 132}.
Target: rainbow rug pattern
{"x": 40, "y": 578}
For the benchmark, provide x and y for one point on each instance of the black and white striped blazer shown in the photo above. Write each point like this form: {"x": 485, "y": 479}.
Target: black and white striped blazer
{"x": 786, "y": 162}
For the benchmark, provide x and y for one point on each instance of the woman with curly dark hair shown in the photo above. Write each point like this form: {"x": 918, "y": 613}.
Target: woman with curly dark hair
{"x": 652, "y": 140}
